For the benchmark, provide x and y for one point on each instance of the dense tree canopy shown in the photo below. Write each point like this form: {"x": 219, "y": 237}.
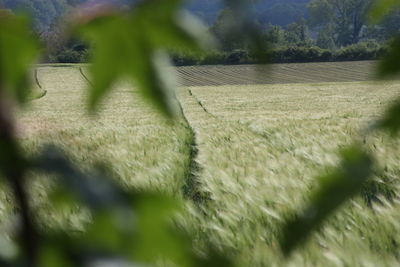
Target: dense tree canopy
{"x": 45, "y": 12}
{"x": 343, "y": 19}
{"x": 277, "y": 12}
{"x": 387, "y": 28}
{"x": 328, "y": 24}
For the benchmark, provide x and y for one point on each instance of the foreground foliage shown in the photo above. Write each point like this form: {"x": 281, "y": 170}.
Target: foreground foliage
{"x": 128, "y": 226}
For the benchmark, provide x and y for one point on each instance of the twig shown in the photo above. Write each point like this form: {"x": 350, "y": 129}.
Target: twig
{"x": 13, "y": 165}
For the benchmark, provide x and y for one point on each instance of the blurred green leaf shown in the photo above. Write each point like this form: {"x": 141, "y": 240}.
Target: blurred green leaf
{"x": 18, "y": 49}
{"x": 155, "y": 238}
{"x": 10, "y": 156}
{"x": 382, "y": 8}
{"x": 5, "y": 263}
{"x": 51, "y": 256}
{"x": 335, "y": 188}
{"x": 134, "y": 226}
{"x": 245, "y": 27}
{"x": 94, "y": 189}
{"x": 130, "y": 45}
{"x": 391, "y": 119}
{"x": 111, "y": 231}
{"x": 214, "y": 259}
{"x": 9, "y": 248}
{"x": 389, "y": 65}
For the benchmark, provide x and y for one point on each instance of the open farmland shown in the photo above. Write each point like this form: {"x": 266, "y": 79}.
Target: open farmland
{"x": 277, "y": 73}
{"x": 243, "y": 157}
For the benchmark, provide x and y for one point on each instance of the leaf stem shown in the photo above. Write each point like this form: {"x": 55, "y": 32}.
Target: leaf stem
{"x": 12, "y": 164}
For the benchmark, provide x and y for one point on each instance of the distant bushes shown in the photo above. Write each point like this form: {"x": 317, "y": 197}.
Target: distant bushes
{"x": 288, "y": 54}
{"x": 360, "y": 51}
{"x": 71, "y": 56}
{"x": 283, "y": 54}
{"x": 300, "y": 54}
{"x": 60, "y": 50}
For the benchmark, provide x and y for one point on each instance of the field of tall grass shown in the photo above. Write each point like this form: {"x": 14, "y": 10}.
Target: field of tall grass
{"x": 243, "y": 156}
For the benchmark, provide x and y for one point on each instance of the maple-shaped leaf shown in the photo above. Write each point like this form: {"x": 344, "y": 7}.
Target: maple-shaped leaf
{"x": 18, "y": 49}
{"x": 134, "y": 45}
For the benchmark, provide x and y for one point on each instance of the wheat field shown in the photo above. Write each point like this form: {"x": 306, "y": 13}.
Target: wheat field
{"x": 243, "y": 157}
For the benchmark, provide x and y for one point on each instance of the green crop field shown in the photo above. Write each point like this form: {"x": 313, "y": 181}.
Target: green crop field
{"x": 243, "y": 157}
{"x": 276, "y": 73}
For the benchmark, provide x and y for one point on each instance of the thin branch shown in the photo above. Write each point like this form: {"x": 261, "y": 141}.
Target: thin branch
{"x": 12, "y": 164}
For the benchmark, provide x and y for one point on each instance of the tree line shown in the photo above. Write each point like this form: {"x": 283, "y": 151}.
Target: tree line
{"x": 331, "y": 30}
{"x": 295, "y": 30}
{"x": 47, "y": 12}
{"x": 329, "y": 24}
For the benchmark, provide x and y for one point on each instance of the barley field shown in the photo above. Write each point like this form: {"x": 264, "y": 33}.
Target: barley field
{"x": 243, "y": 156}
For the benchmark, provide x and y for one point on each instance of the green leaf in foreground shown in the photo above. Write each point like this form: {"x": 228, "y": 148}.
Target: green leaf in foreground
{"x": 382, "y": 8}
{"x": 18, "y": 49}
{"x": 335, "y": 189}
{"x": 391, "y": 119}
{"x": 126, "y": 226}
{"x": 130, "y": 45}
{"x": 95, "y": 190}
{"x": 241, "y": 26}
{"x": 390, "y": 63}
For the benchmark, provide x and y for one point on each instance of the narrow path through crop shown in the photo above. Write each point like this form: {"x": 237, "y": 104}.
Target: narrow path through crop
{"x": 37, "y": 94}
{"x": 191, "y": 188}
{"x": 37, "y": 79}
{"x": 202, "y": 105}
{"x": 84, "y": 75}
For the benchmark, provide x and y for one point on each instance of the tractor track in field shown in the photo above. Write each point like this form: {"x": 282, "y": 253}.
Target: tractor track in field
{"x": 201, "y": 104}
{"x": 191, "y": 188}
{"x": 84, "y": 76}
{"x": 245, "y": 75}
{"x": 204, "y": 108}
{"x": 42, "y": 92}
{"x": 37, "y": 79}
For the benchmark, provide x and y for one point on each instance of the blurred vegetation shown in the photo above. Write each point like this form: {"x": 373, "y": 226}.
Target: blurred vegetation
{"x": 136, "y": 227}
{"x": 47, "y": 13}
{"x": 289, "y": 25}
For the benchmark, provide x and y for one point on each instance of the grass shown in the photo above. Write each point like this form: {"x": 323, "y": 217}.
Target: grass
{"x": 249, "y": 153}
